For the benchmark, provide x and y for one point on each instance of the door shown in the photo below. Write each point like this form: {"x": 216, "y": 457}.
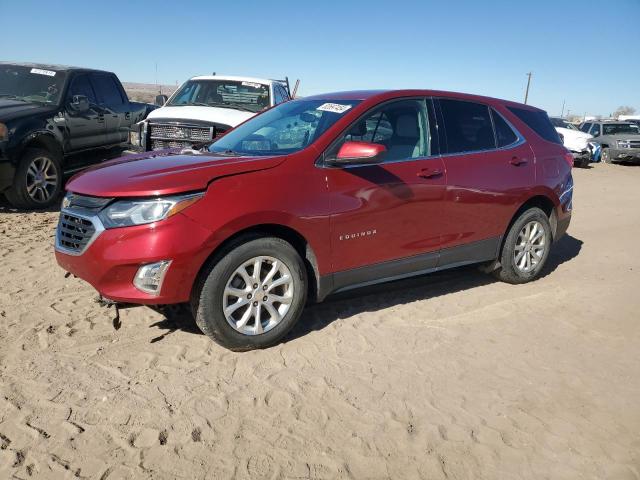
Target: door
{"x": 387, "y": 211}
{"x": 489, "y": 168}
{"x": 84, "y": 129}
{"x": 117, "y": 111}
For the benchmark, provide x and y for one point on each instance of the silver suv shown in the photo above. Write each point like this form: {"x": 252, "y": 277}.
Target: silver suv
{"x": 620, "y": 141}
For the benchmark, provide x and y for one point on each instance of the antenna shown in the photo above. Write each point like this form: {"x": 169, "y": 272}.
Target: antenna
{"x": 526, "y": 95}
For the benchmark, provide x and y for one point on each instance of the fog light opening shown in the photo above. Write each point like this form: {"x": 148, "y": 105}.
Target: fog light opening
{"x": 149, "y": 277}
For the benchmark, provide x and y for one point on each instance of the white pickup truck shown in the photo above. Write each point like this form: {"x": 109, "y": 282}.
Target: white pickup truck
{"x": 577, "y": 142}
{"x": 205, "y": 107}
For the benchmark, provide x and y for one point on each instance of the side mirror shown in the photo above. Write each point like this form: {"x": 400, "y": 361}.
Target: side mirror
{"x": 596, "y": 134}
{"x": 360, "y": 153}
{"x": 79, "y": 103}
{"x": 160, "y": 100}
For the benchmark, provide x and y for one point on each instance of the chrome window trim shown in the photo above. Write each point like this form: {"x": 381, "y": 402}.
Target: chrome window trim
{"x": 520, "y": 140}
{"x": 97, "y": 225}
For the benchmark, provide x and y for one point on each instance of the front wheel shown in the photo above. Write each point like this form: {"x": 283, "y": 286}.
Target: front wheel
{"x": 38, "y": 180}
{"x": 526, "y": 248}
{"x": 253, "y": 295}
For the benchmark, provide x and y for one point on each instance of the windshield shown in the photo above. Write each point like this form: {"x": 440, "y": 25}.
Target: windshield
{"x": 33, "y": 85}
{"x": 285, "y": 129}
{"x": 248, "y": 96}
{"x": 616, "y": 128}
{"x": 560, "y": 123}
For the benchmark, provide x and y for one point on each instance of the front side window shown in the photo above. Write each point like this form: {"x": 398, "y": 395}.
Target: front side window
{"x": 31, "y": 84}
{"x": 286, "y": 128}
{"x": 595, "y": 130}
{"x": 82, "y": 86}
{"x": 239, "y": 95}
{"x": 505, "y": 136}
{"x": 467, "y": 125}
{"x": 107, "y": 90}
{"x": 616, "y": 128}
{"x": 401, "y": 126}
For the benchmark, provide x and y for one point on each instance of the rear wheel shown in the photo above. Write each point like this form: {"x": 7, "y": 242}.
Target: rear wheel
{"x": 38, "y": 180}
{"x": 526, "y": 248}
{"x": 253, "y": 295}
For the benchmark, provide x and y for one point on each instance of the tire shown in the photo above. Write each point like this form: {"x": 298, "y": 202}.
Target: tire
{"x": 584, "y": 163}
{"x": 605, "y": 157}
{"x": 37, "y": 182}
{"x": 211, "y": 295}
{"x": 509, "y": 271}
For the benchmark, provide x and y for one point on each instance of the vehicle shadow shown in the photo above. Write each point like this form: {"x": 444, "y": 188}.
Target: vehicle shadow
{"x": 382, "y": 296}
{"x": 376, "y": 297}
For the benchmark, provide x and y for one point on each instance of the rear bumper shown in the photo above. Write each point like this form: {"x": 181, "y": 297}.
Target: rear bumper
{"x": 111, "y": 261}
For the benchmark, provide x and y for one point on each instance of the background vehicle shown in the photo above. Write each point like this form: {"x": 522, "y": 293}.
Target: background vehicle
{"x": 206, "y": 107}
{"x": 619, "y": 141}
{"x": 48, "y": 113}
{"x": 577, "y": 142}
{"x": 320, "y": 195}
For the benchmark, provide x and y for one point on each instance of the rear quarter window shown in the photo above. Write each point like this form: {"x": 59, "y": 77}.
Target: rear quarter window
{"x": 539, "y": 122}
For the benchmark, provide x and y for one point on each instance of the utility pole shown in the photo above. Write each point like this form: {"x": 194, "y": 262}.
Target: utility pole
{"x": 562, "y": 114}
{"x": 526, "y": 95}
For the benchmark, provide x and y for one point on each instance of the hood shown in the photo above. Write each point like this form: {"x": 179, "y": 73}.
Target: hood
{"x": 225, "y": 116}
{"x": 162, "y": 173}
{"x": 568, "y": 132}
{"x": 12, "y": 109}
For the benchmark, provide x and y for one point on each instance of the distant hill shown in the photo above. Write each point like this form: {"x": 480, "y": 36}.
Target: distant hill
{"x": 146, "y": 92}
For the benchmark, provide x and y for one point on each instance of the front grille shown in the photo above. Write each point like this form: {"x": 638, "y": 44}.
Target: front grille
{"x": 181, "y": 132}
{"x": 162, "y": 144}
{"x": 74, "y": 233}
{"x": 634, "y": 143}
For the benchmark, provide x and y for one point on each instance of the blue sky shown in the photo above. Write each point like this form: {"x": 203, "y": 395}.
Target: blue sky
{"x": 585, "y": 52}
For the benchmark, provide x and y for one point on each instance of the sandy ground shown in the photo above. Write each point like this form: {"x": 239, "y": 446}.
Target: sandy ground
{"x": 451, "y": 376}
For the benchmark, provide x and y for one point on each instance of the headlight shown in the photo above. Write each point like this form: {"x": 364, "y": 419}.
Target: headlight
{"x": 4, "y": 132}
{"x": 125, "y": 213}
{"x": 624, "y": 144}
{"x": 137, "y": 134}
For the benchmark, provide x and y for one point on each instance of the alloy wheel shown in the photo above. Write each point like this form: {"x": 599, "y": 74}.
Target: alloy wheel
{"x": 42, "y": 179}
{"x": 530, "y": 246}
{"x": 258, "y": 295}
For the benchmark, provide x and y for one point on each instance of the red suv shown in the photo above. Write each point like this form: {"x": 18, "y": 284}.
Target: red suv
{"x": 320, "y": 195}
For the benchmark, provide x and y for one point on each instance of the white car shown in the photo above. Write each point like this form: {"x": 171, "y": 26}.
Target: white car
{"x": 576, "y": 141}
{"x": 205, "y": 107}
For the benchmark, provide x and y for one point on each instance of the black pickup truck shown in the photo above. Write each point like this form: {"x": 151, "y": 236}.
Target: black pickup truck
{"x": 48, "y": 115}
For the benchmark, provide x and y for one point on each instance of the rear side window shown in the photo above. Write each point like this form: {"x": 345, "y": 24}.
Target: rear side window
{"x": 539, "y": 122}
{"x": 505, "y": 136}
{"x": 467, "y": 126}
{"x": 107, "y": 90}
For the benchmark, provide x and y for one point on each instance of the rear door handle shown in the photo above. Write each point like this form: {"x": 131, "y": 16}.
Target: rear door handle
{"x": 517, "y": 161}
{"x": 429, "y": 173}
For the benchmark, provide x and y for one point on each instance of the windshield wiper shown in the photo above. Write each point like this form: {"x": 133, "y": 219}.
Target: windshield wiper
{"x": 228, "y": 153}
{"x": 12, "y": 96}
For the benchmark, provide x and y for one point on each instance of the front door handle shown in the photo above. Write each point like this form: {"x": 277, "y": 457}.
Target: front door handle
{"x": 517, "y": 161}
{"x": 429, "y": 173}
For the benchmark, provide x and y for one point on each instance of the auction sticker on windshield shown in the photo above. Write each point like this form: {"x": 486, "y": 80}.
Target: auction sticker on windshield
{"x": 48, "y": 73}
{"x": 333, "y": 107}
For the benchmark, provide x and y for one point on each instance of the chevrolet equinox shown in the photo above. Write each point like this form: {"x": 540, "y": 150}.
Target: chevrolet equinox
{"x": 320, "y": 195}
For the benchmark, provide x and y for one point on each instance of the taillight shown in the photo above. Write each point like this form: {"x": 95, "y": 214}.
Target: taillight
{"x": 569, "y": 159}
